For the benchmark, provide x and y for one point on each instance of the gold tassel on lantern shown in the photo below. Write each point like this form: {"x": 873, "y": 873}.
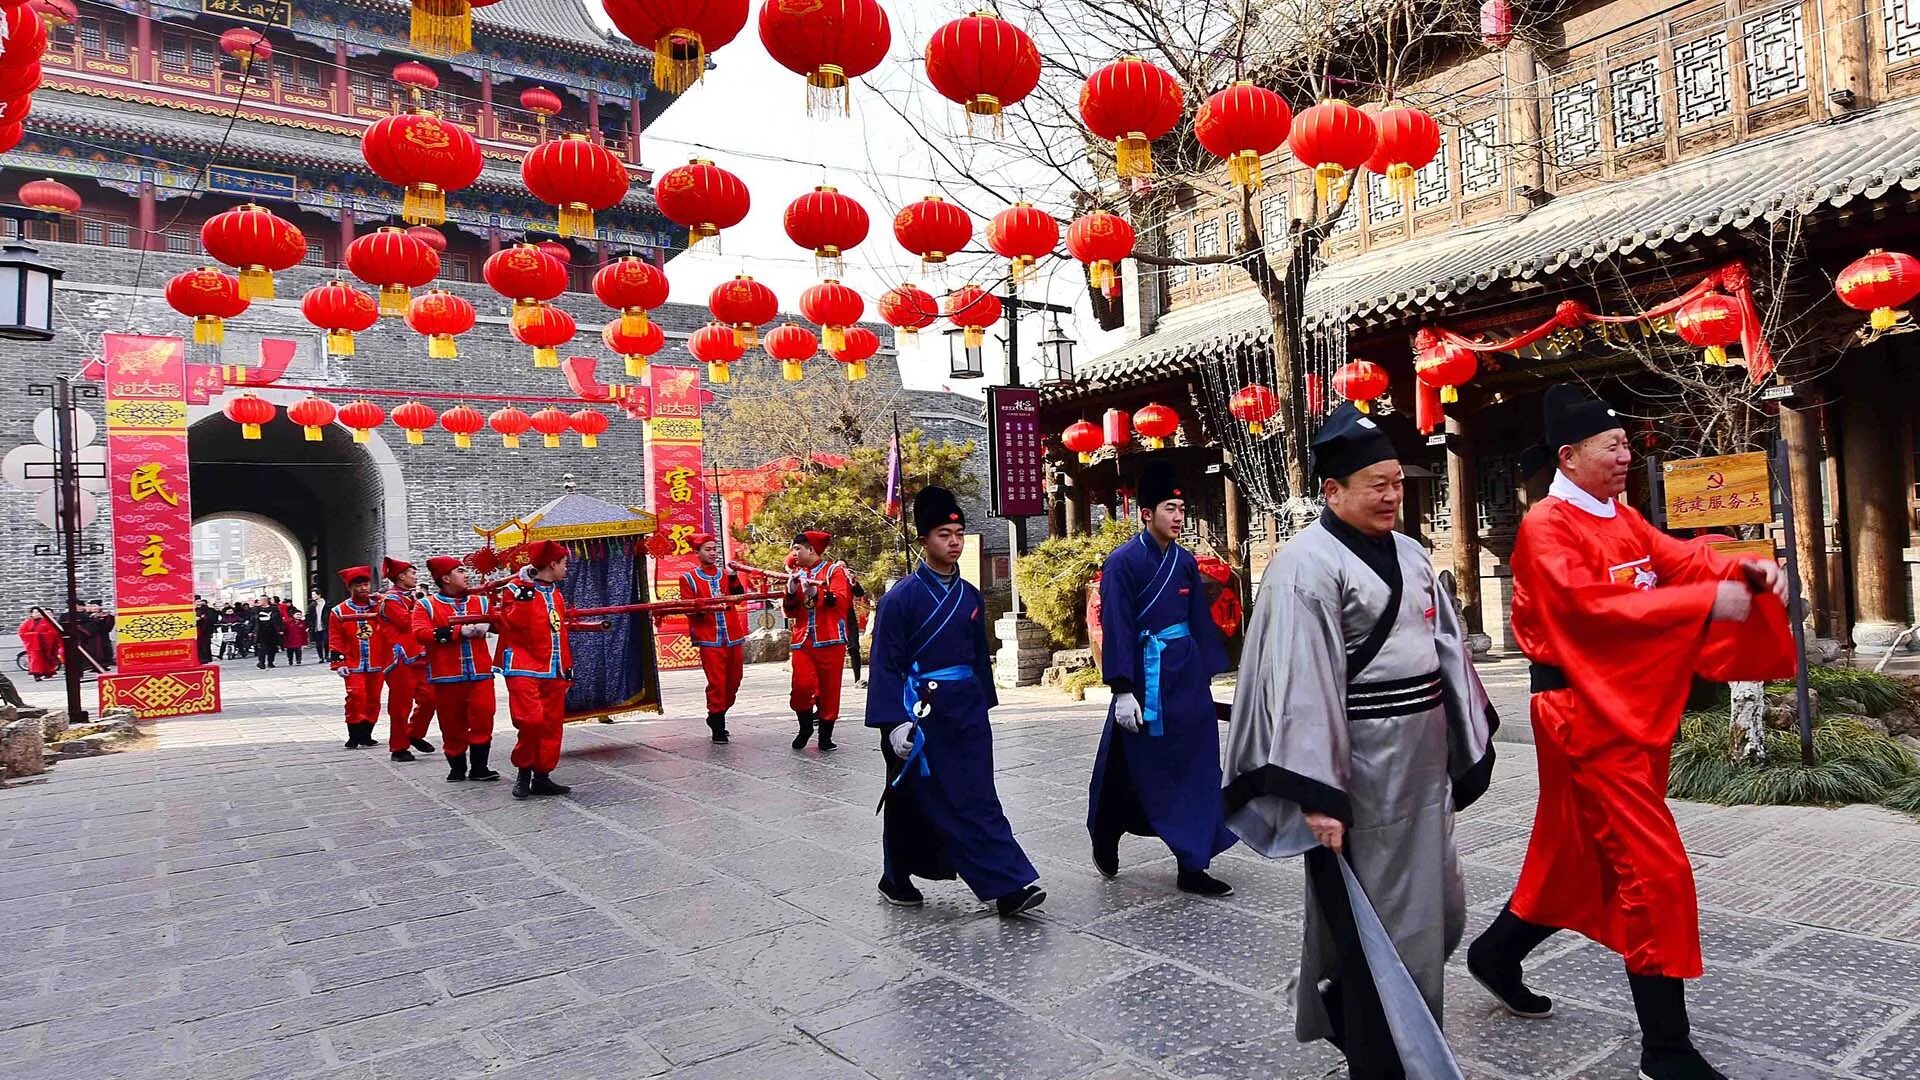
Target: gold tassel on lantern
{"x": 551, "y": 442}
{"x": 416, "y": 437}
{"x": 1716, "y": 356}
{"x": 576, "y": 219}
{"x": 1100, "y": 274}
{"x": 462, "y": 441}
{"x": 442, "y": 347}
{"x": 423, "y": 204}
{"x": 746, "y": 335}
{"x": 361, "y": 434}
{"x": 249, "y": 431}
{"x": 856, "y": 371}
{"x": 1884, "y": 318}
{"x": 256, "y": 283}
{"x": 1243, "y": 168}
{"x": 1325, "y": 175}
{"x": 209, "y": 330}
{"x": 703, "y": 237}
{"x": 679, "y": 61}
{"x": 339, "y": 343}
{"x": 394, "y": 299}
{"x": 790, "y": 370}
{"x": 1133, "y": 155}
{"x": 636, "y": 365}
{"x": 441, "y": 27}
{"x": 1364, "y": 406}
{"x": 1449, "y": 395}
{"x": 718, "y": 374}
{"x": 826, "y": 88}
{"x": 633, "y": 321}
{"x": 1022, "y": 269}
{"x": 972, "y": 336}
{"x": 833, "y": 338}
{"x": 1255, "y": 427}
{"x": 589, "y": 441}
{"x": 511, "y": 442}
{"x": 314, "y": 434}
{"x": 546, "y": 357}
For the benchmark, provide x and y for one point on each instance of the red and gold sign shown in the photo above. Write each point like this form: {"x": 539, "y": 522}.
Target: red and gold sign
{"x": 151, "y": 502}
{"x": 677, "y": 493}
{"x": 158, "y": 695}
{"x": 1708, "y": 492}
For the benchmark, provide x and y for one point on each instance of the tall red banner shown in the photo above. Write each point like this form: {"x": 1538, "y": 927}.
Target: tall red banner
{"x": 677, "y": 494}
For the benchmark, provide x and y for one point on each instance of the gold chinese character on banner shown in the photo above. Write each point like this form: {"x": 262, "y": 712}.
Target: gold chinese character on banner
{"x": 147, "y": 482}
{"x": 679, "y": 483}
{"x": 678, "y": 537}
{"x": 153, "y": 557}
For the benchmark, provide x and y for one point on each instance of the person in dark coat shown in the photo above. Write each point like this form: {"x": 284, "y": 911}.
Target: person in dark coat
{"x": 204, "y": 621}
{"x": 268, "y": 631}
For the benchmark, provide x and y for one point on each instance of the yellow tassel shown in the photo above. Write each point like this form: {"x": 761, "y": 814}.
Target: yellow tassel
{"x": 360, "y": 435}
{"x": 633, "y": 321}
{"x": 679, "y": 61}
{"x": 718, "y": 374}
{"x": 833, "y": 337}
{"x": 1364, "y": 406}
{"x": 551, "y": 442}
{"x": 972, "y": 336}
{"x": 511, "y": 442}
{"x": 256, "y": 283}
{"x": 523, "y": 304}
{"x": 1086, "y": 459}
{"x": 416, "y": 437}
{"x": 576, "y": 219}
{"x": 636, "y": 365}
{"x": 1325, "y": 174}
{"x": 314, "y": 434}
{"x": 1243, "y": 169}
{"x": 442, "y": 347}
{"x": 424, "y": 204}
{"x": 1884, "y": 318}
{"x": 394, "y": 300}
{"x": 463, "y": 442}
{"x": 1022, "y": 269}
{"x": 1255, "y": 428}
{"x": 1133, "y": 155}
{"x": 209, "y": 330}
{"x": 1449, "y": 395}
{"x": 704, "y": 237}
{"x": 828, "y": 263}
{"x": 856, "y": 371}
{"x": 1100, "y": 274}
{"x": 339, "y": 343}
{"x": 249, "y": 431}
{"x": 1716, "y": 356}
{"x": 441, "y": 27}
{"x": 1154, "y": 444}
{"x": 790, "y": 370}
{"x": 589, "y": 441}
{"x": 544, "y": 357}
{"x": 827, "y": 91}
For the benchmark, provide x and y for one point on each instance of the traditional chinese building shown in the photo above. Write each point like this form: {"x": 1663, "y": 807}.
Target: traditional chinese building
{"x": 1614, "y": 155}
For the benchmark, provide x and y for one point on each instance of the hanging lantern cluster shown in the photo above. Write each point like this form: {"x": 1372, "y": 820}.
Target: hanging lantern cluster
{"x": 1253, "y": 405}
{"x": 1156, "y": 423}
{"x": 247, "y": 46}
{"x": 633, "y": 349}
{"x": 1879, "y": 283}
{"x": 1333, "y": 139}
{"x": 831, "y": 42}
{"x": 703, "y": 198}
{"x": 1083, "y": 439}
{"x": 857, "y": 346}
{"x": 632, "y": 286}
{"x": 427, "y": 157}
{"x": 828, "y": 223}
{"x": 396, "y": 262}
{"x": 208, "y": 297}
{"x": 1130, "y": 103}
{"x": 1711, "y": 322}
{"x": 833, "y": 307}
{"x": 1023, "y": 235}
{"x": 983, "y": 63}
{"x": 909, "y": 309}
{"x": 1101, "y": 240}
{"x": 681, "y": 33}
{"x": 525, "y": 275}
{"x": 1241, "y": 125}
{"x": 793, "y": 346}
{"x": 1361, "y": 382}
{"x": 342, "y": 311}
{"x": 716, "y": 345}
{"x": 745, "y": 305}
{"x": 972, "y": 309}
{"x": 933, "y": 229}
{"x": 439, "y": 316}
{"x": 543, "y": 328}
{"x": 257, "y": 241}
{"x": 579, "y": 176}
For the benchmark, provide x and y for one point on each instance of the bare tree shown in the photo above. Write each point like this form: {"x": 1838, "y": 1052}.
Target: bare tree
{"x": 764, "y": 419}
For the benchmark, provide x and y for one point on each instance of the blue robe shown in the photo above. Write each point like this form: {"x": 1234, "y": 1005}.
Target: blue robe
{"x": 1164, "y": 784}
{"x": 943, "y": 817}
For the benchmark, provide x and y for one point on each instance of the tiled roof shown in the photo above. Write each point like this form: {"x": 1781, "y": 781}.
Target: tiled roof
{"x": 562, "y": 20}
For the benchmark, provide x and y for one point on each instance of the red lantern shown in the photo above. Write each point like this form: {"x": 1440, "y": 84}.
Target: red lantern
{"x": 50, "y": 196}
{"x": 1406, "y": 140}
{"x": 857, "y": 346}
{"x": 1156, "y": 424}
{"x": 55, "y": 14}
{"x": 631, "y": 285}
{"x": 984, "y": 63}
{"x": 792, "y": 346}
{"x": 556, "y": 250}
{"x": 828, "y": 41}
{"x": 462, "y": 421}
{"x": 510, "y": 423}
{"x": 1253, "y": 405}
{"x": 427, "y": 156}
{"x": 443, "y": 27}
{"x": 973, "y": 309}
{"x": 1711, "y": 321}
{"x": 589, "y": 424}
{"x": 1496, "y": 23}
{"x": 418, "y": 78}
{"x": 257, "y": 241}
{"x": 577, "y": 175}
{"x": 1131, "y": 103}
{"x": 209, "y": 298}
{"x": 1243, "y": 124}
{"x": 703, "y": 197}
{"x": 542, "y": 103}
{"x": 1082, "y": 438}
{"x": 17, "y": 79}
{"x": 633, "y": 348}
{"x": 933, "y": 229}
{"x": 1116, "y": 427}
{"x": 1332, "y": 138}
{"x": 828, "y": 223}
{"x": 834, "y": 307}
{"x": 908, "y": 309}
{"x": 1879, "y": 282}
{"x": 249, "y": 411}
{"x": 362, "y": 417}
{"x": 313, "y": 415}
{"x": 1429, "y": 411}
{"x": 716, "y": 346}
{"x": 525, "y": 275}
{"x": 1101, "y": 240}
{"x": 746, "y": 305}
{"x": 441, "y": 317}
{"x": 1360, "y": 381}
{"x": 1447, "y": 367}
{"x": 431, "y": 237}
{"x": 26, "y": 36}
{"x": 551, "y": 423}
{"x": 416, "y": 420}
{"x": 545, "y": 328}
{"x": 246, "y": 45}
{"x": 396, "y": 261}
{"x": 342, "y": 311}
{"x": 1022, "y": 234}
{"x": 681, "y": 32}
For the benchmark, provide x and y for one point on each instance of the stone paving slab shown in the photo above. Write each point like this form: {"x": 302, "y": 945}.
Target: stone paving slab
{"x": 248, "y": 900}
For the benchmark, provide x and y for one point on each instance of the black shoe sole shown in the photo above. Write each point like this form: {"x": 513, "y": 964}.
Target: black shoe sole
{"x": 897, "y": 902}
{"x": 484, "y": 777}
{"x": 1105, "y": 873}
{"x": 1209, "y": 893}
{"x": 1039, "y": 897}
{"x": 1510, "y": 1010}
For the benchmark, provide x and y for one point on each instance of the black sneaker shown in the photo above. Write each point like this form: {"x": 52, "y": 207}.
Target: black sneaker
{"x": 1506, "y": 985}
{"x": 423, "y": 746}
{"x": 1028, "y": 898}
{"x": 902, "y": 895}
{"x": 403, "y": 755}
{"x": 1677, "y": 1064}
{"x": 353, "y": 740}
{"x": 1201, "y": 883}
{"x": 1106, "y": 856}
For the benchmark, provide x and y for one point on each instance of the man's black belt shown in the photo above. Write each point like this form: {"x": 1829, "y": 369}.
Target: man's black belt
{"x": 1545, "y": 677}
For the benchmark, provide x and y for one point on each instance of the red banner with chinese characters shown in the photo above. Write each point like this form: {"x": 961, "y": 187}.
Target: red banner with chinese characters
{"x": 146, "y": 411}
{"x": 677, "y": 494}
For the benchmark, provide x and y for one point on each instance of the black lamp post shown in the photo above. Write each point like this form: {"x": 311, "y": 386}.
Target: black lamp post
{"x": 26, "y": 294}
{"x": 964, "y": 361}
{"x": 1056, "y": 355}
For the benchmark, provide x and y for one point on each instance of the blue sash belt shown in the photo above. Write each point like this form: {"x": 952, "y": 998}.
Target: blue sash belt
{"x": 917, "y": 681}
{"x": 1156, "y": 643}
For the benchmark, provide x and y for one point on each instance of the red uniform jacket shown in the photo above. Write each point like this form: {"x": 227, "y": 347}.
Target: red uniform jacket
{"x": 533, "y": 632}
{"x": 451, "y": 656}
{"x": 359, "y": 646}
{"x": 824, "y": 624}
{"x": 396, "y": 611}
{"x": 714, "y": 629}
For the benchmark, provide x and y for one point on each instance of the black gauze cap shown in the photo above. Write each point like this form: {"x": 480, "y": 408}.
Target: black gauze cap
{"x": 1157, "y": 484}
{"x": 1572, "y": 415}
{"x": 1349, "y": 441}
{"x": 934, "y": 507}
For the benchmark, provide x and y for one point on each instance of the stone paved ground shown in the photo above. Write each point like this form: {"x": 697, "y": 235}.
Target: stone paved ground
{"x": 250, "y": 900}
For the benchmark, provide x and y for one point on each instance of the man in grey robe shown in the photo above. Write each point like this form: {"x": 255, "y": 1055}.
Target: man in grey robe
{"x": 1359, "y": 728}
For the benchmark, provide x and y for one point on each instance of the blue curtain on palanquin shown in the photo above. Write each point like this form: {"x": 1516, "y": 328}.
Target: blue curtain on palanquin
{"x": 614, "y": 669}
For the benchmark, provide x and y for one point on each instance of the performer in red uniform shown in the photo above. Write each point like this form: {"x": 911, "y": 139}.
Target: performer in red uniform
{"x": 41, "y": 637}
{"x": 459, "y": 669}
{"x": 819, "y": 596}
{"x": 537, "y": 660}
{"x": 1618, "y": 618}
{"x": 359, "y": 650}
{"x": 409, "y": 705}
{"x": 719, "y": 635}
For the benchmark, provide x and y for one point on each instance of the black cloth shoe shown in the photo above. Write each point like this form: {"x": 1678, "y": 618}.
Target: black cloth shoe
{"x": 477, "y": 762}
{"x": 1666, "y": 1048}
{"x": 806, "y": 729}
{"x": 353, "y": 737}
{"x": 1028, "y": 898}
{"x": 717, "y": 723}
{"x": 1106, "y": 856}
{"x": 826, "y": 736}
{"x": 523, "y": 784}
{"x": 423, "y": 746}
{"x": 1494, "y": 962}
{"x": 1201, "y": 883}
{"x": 403, "y": 755}
{"x": 366, "y": 735}
{"x": 903, "y": 894}
{"x": 456, "y": 768}
{"x": 543, "y": 785}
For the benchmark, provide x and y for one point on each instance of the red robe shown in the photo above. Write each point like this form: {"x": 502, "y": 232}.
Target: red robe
{"x": 42, "y": 641}
{"x": 1621, "y": 609}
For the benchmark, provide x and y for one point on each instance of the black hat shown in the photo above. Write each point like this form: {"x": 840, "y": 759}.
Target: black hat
{"x": 1572, "y": 415}
{"x": 1157, "y": 484}
{"x": 934, "y": 507}
{"x": 1349, "y": 441}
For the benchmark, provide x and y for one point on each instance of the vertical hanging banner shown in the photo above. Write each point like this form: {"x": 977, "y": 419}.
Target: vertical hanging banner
{"x": 677, "y": 494}
{"x": 147, "y": 474}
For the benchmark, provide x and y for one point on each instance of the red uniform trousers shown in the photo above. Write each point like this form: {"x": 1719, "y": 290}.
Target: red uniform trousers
{"x": 465, "y": 710}
{"x": 816, "y": 680}
{"x": 409, "y": 705}
{"x": 723, "y": 665}
{"x": 539, "y": 711}
{"x": 363, "y": 699}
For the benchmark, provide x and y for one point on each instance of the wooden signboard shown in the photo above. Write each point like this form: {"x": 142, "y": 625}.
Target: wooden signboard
{"x": 1708, "y": 492}
{"x": 1746, "y": 549}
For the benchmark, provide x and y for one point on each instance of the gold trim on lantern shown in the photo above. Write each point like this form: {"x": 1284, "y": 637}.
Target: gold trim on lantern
{"x": 462, "y": 441}
{"x": 209, "y": 330}
{"x": 636, "y": 365}
{"x": 633, "y": 321}
{"x": 361, "y": 435}
{"x": 576, "y": 219}
{"x": 546, "y": 357}
{"x": 442, "y": 347}
{"x": 826, "y": 88}
{"x": 313, "y": 434}
{"x": 511, "y": 442}
{"x": 679, "y": 60}
{"x": 790, "y": 370}
{"x": 394, "y": 300}
{"x": 856, "y": 371}
{"x": 416, "y": 437}
{"x": 441, "y": 27}
{"x": 833, "y": 338}
{"x": 1243, "y": 168}
{"x": 589, "y": 441}
{"x": 1133, "y": 155}
{"x": 972, "y": 336}
{"x": 1884, "y": 318}
{"x": 339, "y": 343}
{"x": 746, "y": 335}
{"x": 718, "y": 374}
{"x": 423, "y": 204}
{"x": 249, "y": 431}
{"x": 256, "y": 283}
{"x": 551, "y": 442}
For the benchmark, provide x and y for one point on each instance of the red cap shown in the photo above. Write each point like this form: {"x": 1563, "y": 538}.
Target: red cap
{"x": 817, "y": 540}
{"x": 700, "y": 538}
{"x": 544, "y": 553}
{"x": 356, "y": 573}
{"x": 392, "y": 568}
{"x": 442, "y": 565}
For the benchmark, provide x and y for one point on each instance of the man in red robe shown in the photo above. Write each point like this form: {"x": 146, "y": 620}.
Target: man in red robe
{"x": 360, "y": 653}
{"x": 41, "y": 637}
{"x": 721, "y": 634}
{"x": 537, "y": 660}
{"x": 459, "y": 668}
{"x": 1617, "y": 618}
{"x": 819, "y": 596}
{"x": 409, "y": 703}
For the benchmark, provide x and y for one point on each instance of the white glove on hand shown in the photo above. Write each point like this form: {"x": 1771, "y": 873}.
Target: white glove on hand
{"x": 900, "y": 740}
{"x": 474, "y": 630}
{"x": 1126, "y": 711}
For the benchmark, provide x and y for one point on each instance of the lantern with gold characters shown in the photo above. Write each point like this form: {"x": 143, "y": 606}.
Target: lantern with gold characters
{"x": 716, "y": 346}
{"x": 1253, "y": 405}
{"x": 1879, "y": 283}
{"x": 440, "y": 316}
{"x": 1360, "y": 381}
{"x": 1130, "y": 103}
{"x": 793, "y": 346}
{"x": 1156, "y": 423}
{"x": 1712, "y": 322}
{"x": 208, "y": 297}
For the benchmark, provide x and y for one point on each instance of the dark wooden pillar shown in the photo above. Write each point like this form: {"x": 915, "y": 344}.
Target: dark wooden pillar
{"x": 148, "y": 223}
{"x": 342, "y": 81}
{"x": 1057, "y": 513}
{"x": 1801, "y": 428}
{"x": 1872, "y": 451}
{"x": 1236, "y": 506}
{"x": 1463, "y": 501}
{"x": 489, "y": 123}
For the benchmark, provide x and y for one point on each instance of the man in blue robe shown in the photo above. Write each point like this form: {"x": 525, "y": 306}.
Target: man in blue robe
{"x": 1158, "y": 771}
{"x": 930, "y": 684}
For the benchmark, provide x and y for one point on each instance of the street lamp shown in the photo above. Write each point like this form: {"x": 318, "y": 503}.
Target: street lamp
{"x": 963, "y": 360}
{"x": 1056, "y": 355}
{"x": 26, "y": 294}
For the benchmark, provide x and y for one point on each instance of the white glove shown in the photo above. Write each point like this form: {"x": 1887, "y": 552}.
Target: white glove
{"x": 478, "y": 629}
{"x": 900, "y": 739}
{"x": 1126, "y": 711}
